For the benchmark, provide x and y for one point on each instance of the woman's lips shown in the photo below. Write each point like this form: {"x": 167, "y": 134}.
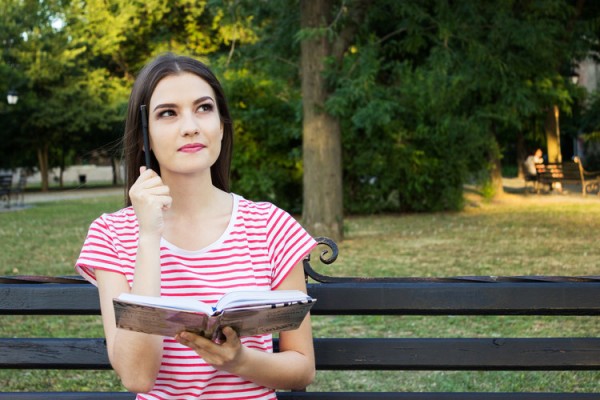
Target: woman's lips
{"x": 191, "y": 148}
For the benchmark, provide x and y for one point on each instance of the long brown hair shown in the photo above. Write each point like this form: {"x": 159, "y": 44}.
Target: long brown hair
{"x": 162, "y": 66}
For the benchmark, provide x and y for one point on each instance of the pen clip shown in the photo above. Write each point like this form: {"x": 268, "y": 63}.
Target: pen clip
{"x": 144, "y": 118}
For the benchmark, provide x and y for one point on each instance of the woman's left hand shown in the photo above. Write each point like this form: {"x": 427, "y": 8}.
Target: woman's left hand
{"x": 226, "y": 355}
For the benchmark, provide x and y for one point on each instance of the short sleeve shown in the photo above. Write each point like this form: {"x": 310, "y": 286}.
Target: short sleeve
{"x": 99, "y": 251}
{"x": 288, "y": 243}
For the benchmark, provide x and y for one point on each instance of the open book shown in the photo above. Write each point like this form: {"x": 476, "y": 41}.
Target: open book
{"x": 248, "y": 312}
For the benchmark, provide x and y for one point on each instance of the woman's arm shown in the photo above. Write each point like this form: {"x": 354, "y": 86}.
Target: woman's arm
{"x": 135, "y": 356}
{"x": 292, "y": 368}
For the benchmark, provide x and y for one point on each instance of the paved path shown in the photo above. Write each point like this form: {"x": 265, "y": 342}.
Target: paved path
{"x": 514, "y": 189}
{"x": 516, "y": 193}
{"x": 31, "y": 198}
{"x": 41, "y": 197}
{"x": 512, "y": 185}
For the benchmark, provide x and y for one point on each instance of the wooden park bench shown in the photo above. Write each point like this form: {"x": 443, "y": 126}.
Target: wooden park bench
{"x": 8, "y": 191}
{"x": 566, "y": 173}
{"x": 17, "y": 191}
{"x": 430, "y": 297}
{"x": 5, "y": 189}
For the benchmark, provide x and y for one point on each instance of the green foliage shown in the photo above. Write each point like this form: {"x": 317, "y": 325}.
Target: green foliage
{"x": 66, "y": 103}
{"x": 403, "y": 129}
{"x": 263, "y": 88}
{"x": 425, "y": 92}
{"x": 429, "y": 91}
{"x": 267, "y": 149}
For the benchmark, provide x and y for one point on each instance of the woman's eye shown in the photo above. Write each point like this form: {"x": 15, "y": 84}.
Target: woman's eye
{"x": 206, "y": 107}
{"x": 166, "y": 113}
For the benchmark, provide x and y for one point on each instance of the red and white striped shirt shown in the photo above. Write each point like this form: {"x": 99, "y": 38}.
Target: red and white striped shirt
{"x": 259, "y": 248}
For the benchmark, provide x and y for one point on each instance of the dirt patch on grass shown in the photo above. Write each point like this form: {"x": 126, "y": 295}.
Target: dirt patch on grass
{"x": 516, "y": 192}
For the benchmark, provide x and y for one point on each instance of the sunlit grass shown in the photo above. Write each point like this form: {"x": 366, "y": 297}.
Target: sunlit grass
{"x": 536, "y": 235}
{"x": 494, "y": 239}
{"x": 46, "y": 238}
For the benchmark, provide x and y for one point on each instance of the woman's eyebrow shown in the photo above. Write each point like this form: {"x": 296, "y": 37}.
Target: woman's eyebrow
{"x": 165, "y": 105}
{"x": 203, "y": 98}
{"x": 173, "y": 105}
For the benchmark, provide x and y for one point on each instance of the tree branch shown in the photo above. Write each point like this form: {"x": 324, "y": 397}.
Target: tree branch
{"x": 356, "y": 16}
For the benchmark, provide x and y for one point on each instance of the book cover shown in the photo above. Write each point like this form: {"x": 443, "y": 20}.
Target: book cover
{"x": 248, "y": 312}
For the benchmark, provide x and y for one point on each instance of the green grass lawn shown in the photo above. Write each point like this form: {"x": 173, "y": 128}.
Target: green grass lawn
{"x": 533, "y": 235}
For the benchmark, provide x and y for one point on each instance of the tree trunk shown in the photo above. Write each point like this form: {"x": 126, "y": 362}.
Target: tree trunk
{"x": 496, "y": 165}
{"x": 322, "y": 154}
{"x": 553, "y": 135}
{"x": 496, "y": 175}
{"x": 62, "y": 167}
{"x": 521, "y": 155}
{"x": 42, "y": 154}
{"x": 116, "y": 171}
{"x": 551, "y": 125}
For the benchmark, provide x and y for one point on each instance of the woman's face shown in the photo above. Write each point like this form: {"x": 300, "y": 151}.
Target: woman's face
{"x": 184, "y": 125}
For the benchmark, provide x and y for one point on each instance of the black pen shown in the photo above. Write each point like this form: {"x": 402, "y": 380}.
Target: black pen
{"x": 144, "y": 116}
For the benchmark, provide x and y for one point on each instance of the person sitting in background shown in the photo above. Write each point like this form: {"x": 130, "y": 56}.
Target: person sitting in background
{"x": 530, "y": 163}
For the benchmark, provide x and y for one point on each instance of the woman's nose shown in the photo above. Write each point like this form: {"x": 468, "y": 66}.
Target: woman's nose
{"x": 189, "y": 125}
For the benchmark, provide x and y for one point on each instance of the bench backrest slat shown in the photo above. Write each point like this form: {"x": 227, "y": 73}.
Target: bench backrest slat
{"x": 505, "y": 298}
{"x": 514, "y": 298}
{"x": 568, "y": 171}
{"x": 50, "y": 298}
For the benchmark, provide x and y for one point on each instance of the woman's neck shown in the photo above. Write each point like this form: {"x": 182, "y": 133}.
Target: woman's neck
{"x": 199, "y": 213}
{"x": 193, "y": 195}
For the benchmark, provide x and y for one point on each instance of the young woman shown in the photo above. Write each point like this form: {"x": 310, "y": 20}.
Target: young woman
{"x": 184, "y": 234}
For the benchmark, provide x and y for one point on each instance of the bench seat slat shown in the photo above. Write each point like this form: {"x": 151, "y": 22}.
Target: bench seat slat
{"x": 349, "y": 354}
{"x": 434, "y": 396}
{"x": 321, "y": 396}
{"x": 506, "y": 298}
{"x": 67, "y": 396}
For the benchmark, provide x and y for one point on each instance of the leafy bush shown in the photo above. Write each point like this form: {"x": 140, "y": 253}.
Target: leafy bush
{"x": 267, "y": 160}
{"x": 409, "y": 141}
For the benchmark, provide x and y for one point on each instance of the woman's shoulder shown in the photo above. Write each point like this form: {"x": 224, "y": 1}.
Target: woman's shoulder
{"x": 264, "y": 214}
{"x": 121, "y": 218}
{"x": 256, "y": 208}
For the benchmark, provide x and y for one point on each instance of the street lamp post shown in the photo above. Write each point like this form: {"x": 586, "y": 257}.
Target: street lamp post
{"x": 575, "y": 78}
{"x": 12, "y": 97}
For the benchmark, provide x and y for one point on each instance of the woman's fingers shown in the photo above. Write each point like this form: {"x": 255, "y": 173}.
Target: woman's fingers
{"x": 150, "y": 197}
{"x": 225, "y": 355}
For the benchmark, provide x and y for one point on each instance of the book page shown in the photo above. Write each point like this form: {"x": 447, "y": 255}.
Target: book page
{"x": 175, "y": 303}
{"x": 263, "y": 297}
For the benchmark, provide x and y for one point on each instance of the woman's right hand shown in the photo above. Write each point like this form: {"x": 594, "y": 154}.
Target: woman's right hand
{"x": 150, "y": 198}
